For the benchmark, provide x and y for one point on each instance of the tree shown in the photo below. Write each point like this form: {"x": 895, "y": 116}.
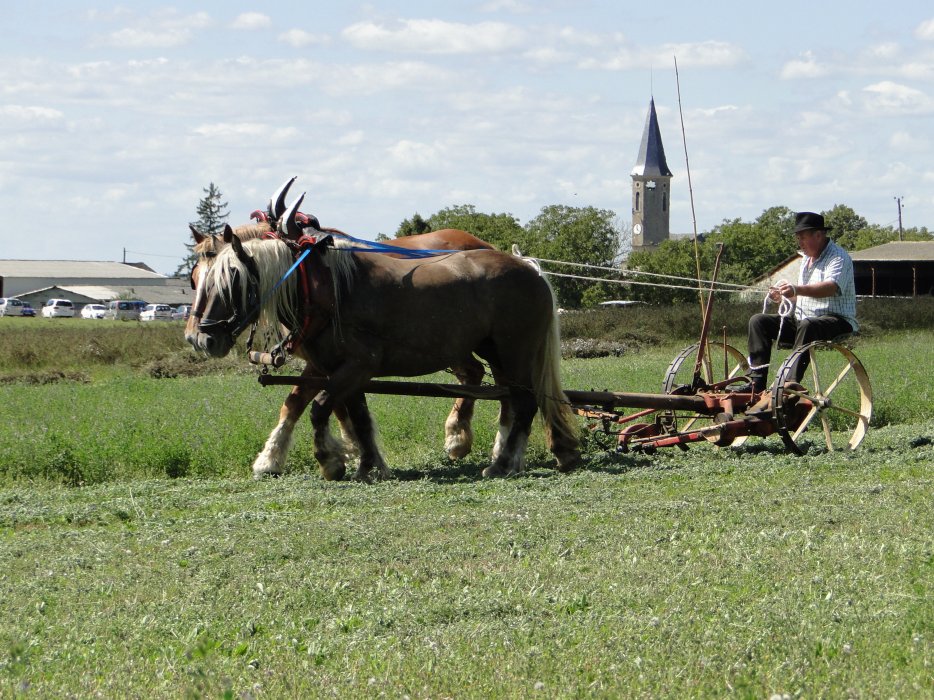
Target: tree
{"x": 212, "y": 215}
{"x": 671, "y": 259}
{"x": 413, "y": 226}
{"x": 847, "y": 225}
{"x": 583, "y": 235}
{"x": 500, "y": 230}
{"x": 750, "y": 249}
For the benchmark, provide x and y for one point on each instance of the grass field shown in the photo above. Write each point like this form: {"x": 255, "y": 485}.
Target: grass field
{"x": 137, "y": 557}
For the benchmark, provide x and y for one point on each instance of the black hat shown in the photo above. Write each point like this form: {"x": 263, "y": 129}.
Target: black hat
{"x": 807, "y": 220}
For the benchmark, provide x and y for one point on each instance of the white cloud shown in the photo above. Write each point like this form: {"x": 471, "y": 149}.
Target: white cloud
{"x": 247, "y": 133}
{"x": 908, "y": 142}
{"x": 893, "y": 98}
{"x": 251, "y": 20}
{"x": 29, "y": 115}
{"x": 146, "y": 39}
{"x": 806, "y": 66}
{"x": 435, "y": 36}
{"x": 366, "y": 79}
{"x": 888, "y": 50}
{"x": 166, "y": 29}
{"x": 705, "y": 54}
{"x": 925, "y": 30}
{"x": 517, "y": 7}
{"x": 299, "y": 38}
{"x": 418, "y": 156}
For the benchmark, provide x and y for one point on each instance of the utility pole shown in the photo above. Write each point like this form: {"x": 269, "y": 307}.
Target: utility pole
{"x": 899, "y": 202}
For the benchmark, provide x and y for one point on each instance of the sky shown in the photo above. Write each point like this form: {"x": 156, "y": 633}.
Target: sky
{"x": 114, "y": 118}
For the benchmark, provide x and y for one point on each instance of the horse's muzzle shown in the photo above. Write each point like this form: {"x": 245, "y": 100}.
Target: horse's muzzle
{"x": 212, "y": 345}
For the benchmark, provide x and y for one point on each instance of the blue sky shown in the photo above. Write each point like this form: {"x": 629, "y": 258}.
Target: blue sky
{"x": 113, "y": 118}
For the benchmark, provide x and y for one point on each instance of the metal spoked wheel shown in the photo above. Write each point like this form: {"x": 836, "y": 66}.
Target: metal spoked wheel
{"x": 721, "y": 361}
{"x": 832, "y": 401}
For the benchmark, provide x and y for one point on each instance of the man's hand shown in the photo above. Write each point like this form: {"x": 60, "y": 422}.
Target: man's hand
{"x": 782, "y": 289}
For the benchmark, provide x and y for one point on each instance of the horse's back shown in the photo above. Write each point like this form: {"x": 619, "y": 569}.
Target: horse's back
{"x": 443, "y": 239}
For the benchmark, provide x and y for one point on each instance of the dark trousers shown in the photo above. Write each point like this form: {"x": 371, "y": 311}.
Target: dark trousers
{"x": 764, "y": 330}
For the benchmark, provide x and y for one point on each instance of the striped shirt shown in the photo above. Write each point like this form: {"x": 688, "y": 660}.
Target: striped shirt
{"x": 833, "y": 264}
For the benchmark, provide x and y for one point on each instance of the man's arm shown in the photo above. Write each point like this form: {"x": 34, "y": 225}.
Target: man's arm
{"x": 817, "y": 290}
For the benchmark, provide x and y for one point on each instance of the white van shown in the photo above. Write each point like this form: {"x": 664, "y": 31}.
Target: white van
{"x": 11, "y": 307}
{"x": 58, "y": 308}
{"x": 123, "y": 310}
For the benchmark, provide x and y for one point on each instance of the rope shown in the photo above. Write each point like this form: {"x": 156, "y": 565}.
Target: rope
{"x": 722, "y": 286}
{"x": 786, "y": 307}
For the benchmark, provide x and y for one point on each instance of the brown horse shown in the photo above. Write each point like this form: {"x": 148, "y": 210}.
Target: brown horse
{"x": 380, "y": 316}
{"x": 271, "y": 460}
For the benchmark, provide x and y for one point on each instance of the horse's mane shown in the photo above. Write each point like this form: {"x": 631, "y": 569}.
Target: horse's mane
{"x": 272, "y": 258}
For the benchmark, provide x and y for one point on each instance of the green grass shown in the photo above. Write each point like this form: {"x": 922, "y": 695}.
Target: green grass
{"x": 138, "y": 558}
{"x": 703, "y": 576}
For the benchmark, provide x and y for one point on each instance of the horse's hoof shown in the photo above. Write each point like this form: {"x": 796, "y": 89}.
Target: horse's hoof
{"x": 497, "y": 471}
{"x": 569, "y": 462}
{"x": 266, "y": 475}
{"x": 363, "y": 477}
{"x": 334, "y": 472}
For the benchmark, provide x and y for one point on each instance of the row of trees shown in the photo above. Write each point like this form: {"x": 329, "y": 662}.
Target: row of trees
{"x": 595, "y": 237}
{"x": 582, "y": 235}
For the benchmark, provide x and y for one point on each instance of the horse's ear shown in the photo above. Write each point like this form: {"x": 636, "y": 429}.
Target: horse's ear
{"x": 196, "y": 234}
{"x": 235, "y": 243}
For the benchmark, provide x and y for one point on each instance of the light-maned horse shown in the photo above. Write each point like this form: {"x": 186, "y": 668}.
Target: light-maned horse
{"x": 381, "y": 316}
{"x": 458, "y": 430}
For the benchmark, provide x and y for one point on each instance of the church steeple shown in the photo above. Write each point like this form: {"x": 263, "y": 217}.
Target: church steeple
{"x": 650, "y": 187}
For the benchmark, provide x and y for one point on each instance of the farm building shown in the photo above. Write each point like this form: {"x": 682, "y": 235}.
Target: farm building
{"x": 87, "y": 282}
{"x": 896, "y": 269}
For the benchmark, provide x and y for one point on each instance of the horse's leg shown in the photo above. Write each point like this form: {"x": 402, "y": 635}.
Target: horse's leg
{"x": 370, "y": 457}
{"x": 329, "y": 451}
{"x": 271, "y": 460}
{"x": 505, "y": 427}
{"x": 344, "y": 389}
{"x": 565, "y": 447}
{"x": 458, "y": 432}
{"x": 509, "y": 452}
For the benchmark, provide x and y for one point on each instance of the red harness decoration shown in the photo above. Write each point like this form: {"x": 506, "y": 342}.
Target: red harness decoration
{"x": 311, "y": 326}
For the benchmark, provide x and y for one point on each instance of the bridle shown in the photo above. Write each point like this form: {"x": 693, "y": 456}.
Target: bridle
{"x": 232, "y": 325}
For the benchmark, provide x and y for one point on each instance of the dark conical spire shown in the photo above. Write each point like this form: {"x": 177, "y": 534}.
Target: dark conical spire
{"x": 651, "y": 162}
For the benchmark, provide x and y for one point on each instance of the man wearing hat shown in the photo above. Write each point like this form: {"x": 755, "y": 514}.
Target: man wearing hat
{"x": 824, "y": 300}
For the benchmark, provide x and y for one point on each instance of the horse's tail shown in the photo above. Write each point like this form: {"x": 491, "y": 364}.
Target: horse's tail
{"x": 561, "y": 428}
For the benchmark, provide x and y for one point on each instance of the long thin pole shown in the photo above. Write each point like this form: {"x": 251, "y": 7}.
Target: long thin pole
{"x": 687, "y": 165}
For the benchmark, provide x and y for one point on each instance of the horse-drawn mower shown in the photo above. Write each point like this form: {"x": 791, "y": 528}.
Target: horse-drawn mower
{"x": 819, "y": 390}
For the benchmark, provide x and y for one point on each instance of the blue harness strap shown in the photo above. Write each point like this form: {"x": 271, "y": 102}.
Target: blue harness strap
{"x": 377, "y": 247}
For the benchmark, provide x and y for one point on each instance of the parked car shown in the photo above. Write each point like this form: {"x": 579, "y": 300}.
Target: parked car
{"x": 58, "y": 308}
{"x": 28, "y": 310}
{"x": 123, "y": 310}
{"x": 156, "y": 312}
{"x": 181, "y": 312}
{"x": 10, "y": 307}
{"x": 93, "y": 311}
